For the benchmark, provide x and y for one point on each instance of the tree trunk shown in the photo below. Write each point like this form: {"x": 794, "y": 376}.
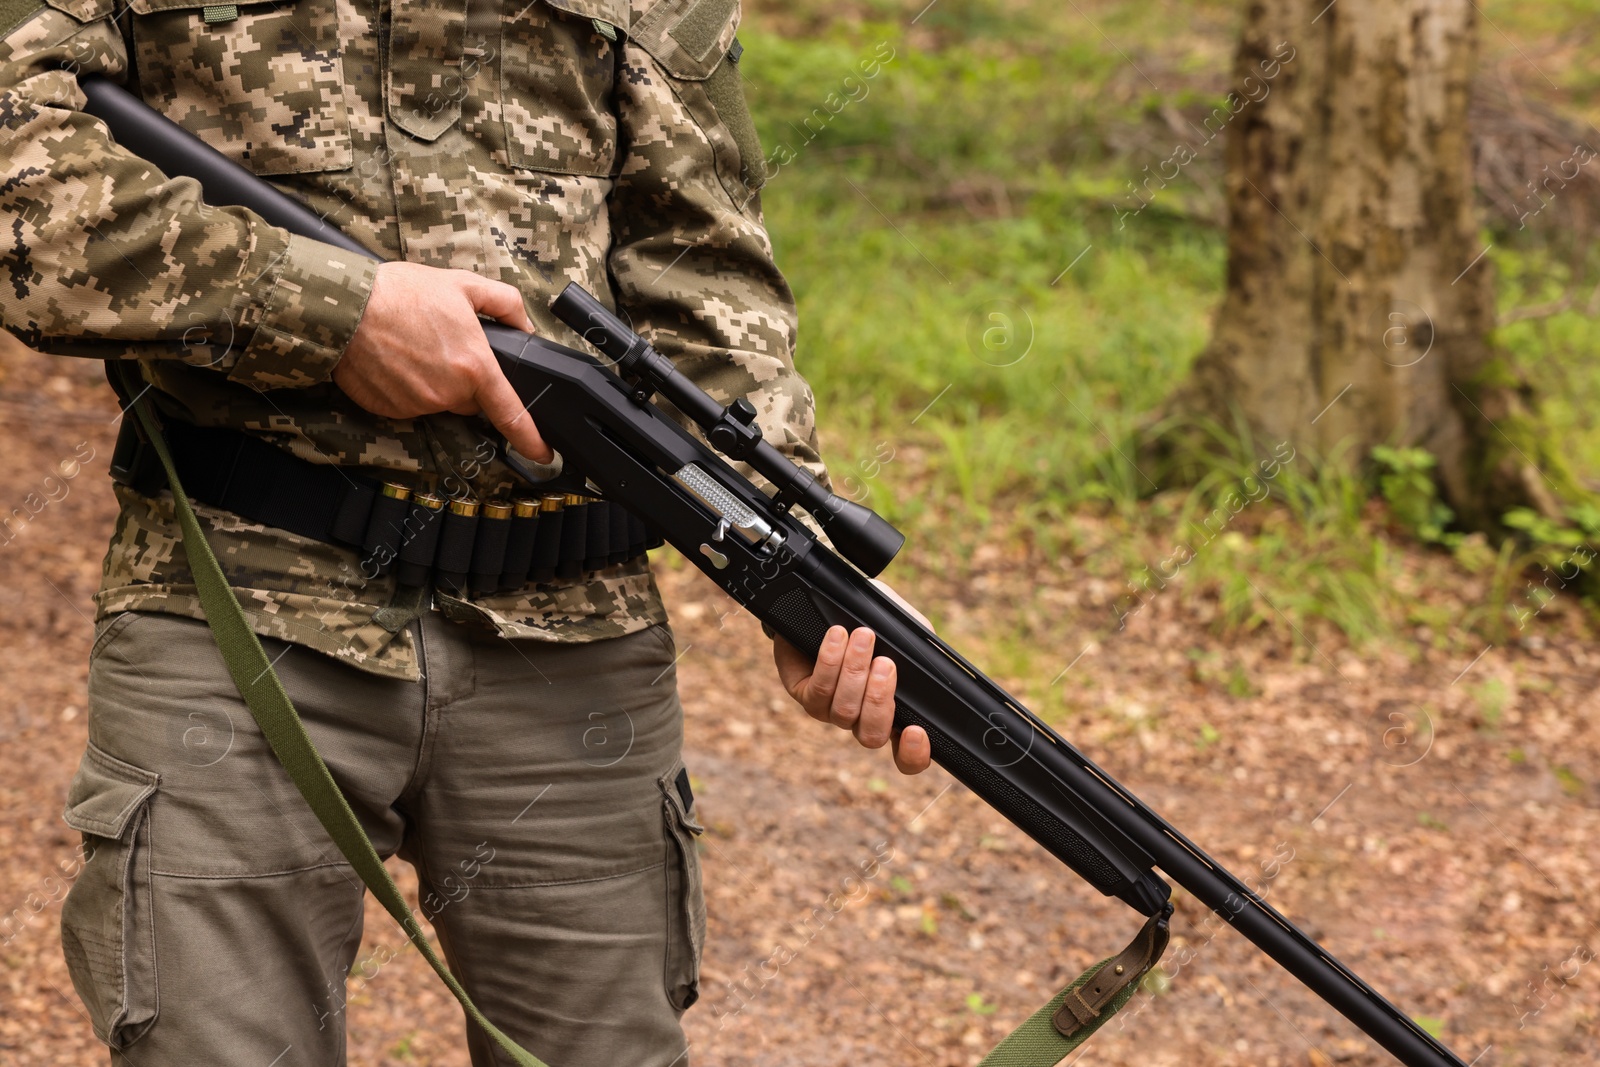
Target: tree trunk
{"x": 1359, "y": 301}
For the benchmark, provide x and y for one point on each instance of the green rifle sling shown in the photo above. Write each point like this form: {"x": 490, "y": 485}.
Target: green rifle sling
{"x": 264, "y": 695}
{"x": 1036, "y": 1043}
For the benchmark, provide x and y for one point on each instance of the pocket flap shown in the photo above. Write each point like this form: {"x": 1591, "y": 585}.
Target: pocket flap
{"x": 680, "y": 799}
{"x": 613, "y": 11}
{"x": 147, "y": 7}
{"x": 85, "y": 10}
{"x": 105, "y": 793}
{"x": 688, "y": 37}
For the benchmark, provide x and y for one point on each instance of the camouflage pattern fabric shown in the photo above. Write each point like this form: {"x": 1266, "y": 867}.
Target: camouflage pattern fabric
{"x": 536, "y": 143}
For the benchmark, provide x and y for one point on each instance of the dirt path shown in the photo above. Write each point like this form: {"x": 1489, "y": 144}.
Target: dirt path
{"x": 857, "y": 917}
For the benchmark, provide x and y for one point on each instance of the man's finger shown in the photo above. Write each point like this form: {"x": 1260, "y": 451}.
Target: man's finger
{"x": 877, "y": 710}
{"x": 793, "y": 667}
{"x": 912, "y": 753}
{"x": 499, "y": 301}
{"x": 503, "y": 407}
{"x": 846, "y": 706}
{"x": 824, "y": 681}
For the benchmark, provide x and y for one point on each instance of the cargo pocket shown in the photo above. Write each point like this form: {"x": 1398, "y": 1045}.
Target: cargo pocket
{"x": 686, "y": 902}
{"x": 106, "y": 928}
{"x": 260, "y": 81}
{"x": 694, "y": 42}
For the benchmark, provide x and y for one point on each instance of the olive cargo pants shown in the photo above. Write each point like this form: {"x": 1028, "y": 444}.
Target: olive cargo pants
{"x": 537, "y": 789}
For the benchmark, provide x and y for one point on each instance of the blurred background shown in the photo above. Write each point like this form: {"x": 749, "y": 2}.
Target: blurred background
{"x": 1001, "y": 163}
{"x": 1229, "y": 367}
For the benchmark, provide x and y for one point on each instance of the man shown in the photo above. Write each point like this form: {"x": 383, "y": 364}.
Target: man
{"x": 495, "y": 151}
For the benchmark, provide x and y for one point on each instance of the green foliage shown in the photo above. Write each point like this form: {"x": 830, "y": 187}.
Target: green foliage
{"x": 944, "y": 186}
{"x": 1581, "y": 528}
{"x": 1406, "y": 481}
{"x": 1570, "y": 783}
{"x": 1550, "y": 558}
{"x": 977, "y": 1005}
{"x": 1554, "y": 350}
{"x": 1312, "y": 556}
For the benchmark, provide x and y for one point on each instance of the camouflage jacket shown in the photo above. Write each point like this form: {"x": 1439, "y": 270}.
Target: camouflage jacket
{"x": 536, "y": 142}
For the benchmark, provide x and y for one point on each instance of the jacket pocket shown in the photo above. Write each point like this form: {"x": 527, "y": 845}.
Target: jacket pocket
{"x": 686, "y": 902}
{"x": 426, "y": 71}
{"x": 106, "y": 929}
{"x": 694, "y": 42}
{"x": 558, "y": 70}
{"x": 260, "y": 81}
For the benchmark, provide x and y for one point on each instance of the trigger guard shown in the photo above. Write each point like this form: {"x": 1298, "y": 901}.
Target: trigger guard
{"x": 531, "y": 471}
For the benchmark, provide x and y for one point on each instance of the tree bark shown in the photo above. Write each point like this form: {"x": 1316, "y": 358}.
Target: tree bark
{"x": 1360, "y": 302}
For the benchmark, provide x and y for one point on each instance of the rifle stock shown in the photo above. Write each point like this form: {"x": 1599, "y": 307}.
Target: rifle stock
{"x": 600, "y": 418}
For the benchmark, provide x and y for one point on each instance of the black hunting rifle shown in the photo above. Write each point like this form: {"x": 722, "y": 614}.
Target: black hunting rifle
{"x": 599, "y": 416}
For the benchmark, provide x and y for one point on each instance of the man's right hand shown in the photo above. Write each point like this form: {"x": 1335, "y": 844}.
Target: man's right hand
{"x": 419, "y": 350}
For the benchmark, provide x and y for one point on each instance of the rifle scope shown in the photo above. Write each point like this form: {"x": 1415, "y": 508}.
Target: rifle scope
{"x": 861, "y": 535}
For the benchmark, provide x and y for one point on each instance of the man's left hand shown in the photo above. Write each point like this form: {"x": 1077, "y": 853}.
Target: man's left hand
{"x": 853, "y": 689}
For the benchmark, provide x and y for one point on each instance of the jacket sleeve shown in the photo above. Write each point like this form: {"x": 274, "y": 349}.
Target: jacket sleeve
{"x": 691, "y": 264}
{"x": 102, "y": 250}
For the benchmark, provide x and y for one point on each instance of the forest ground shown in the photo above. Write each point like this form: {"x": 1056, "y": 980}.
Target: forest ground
{"x": 1397, "y": 743}
{"x": 1452, "y": 871}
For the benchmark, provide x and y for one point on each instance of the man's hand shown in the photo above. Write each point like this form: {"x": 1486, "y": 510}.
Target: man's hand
{"x": 419, "y": 350}
{"x": 854, "y": 690}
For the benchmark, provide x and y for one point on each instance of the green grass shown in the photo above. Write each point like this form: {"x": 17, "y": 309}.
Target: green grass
{"x": 909, "y": 300}
{"x": 924, "y": 213}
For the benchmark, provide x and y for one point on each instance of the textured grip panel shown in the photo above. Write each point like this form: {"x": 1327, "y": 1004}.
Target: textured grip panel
{"x": 794, "y": 612}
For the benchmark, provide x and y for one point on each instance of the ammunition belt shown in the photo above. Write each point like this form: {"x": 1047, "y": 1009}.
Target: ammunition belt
{"x": 465, "y": 547}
